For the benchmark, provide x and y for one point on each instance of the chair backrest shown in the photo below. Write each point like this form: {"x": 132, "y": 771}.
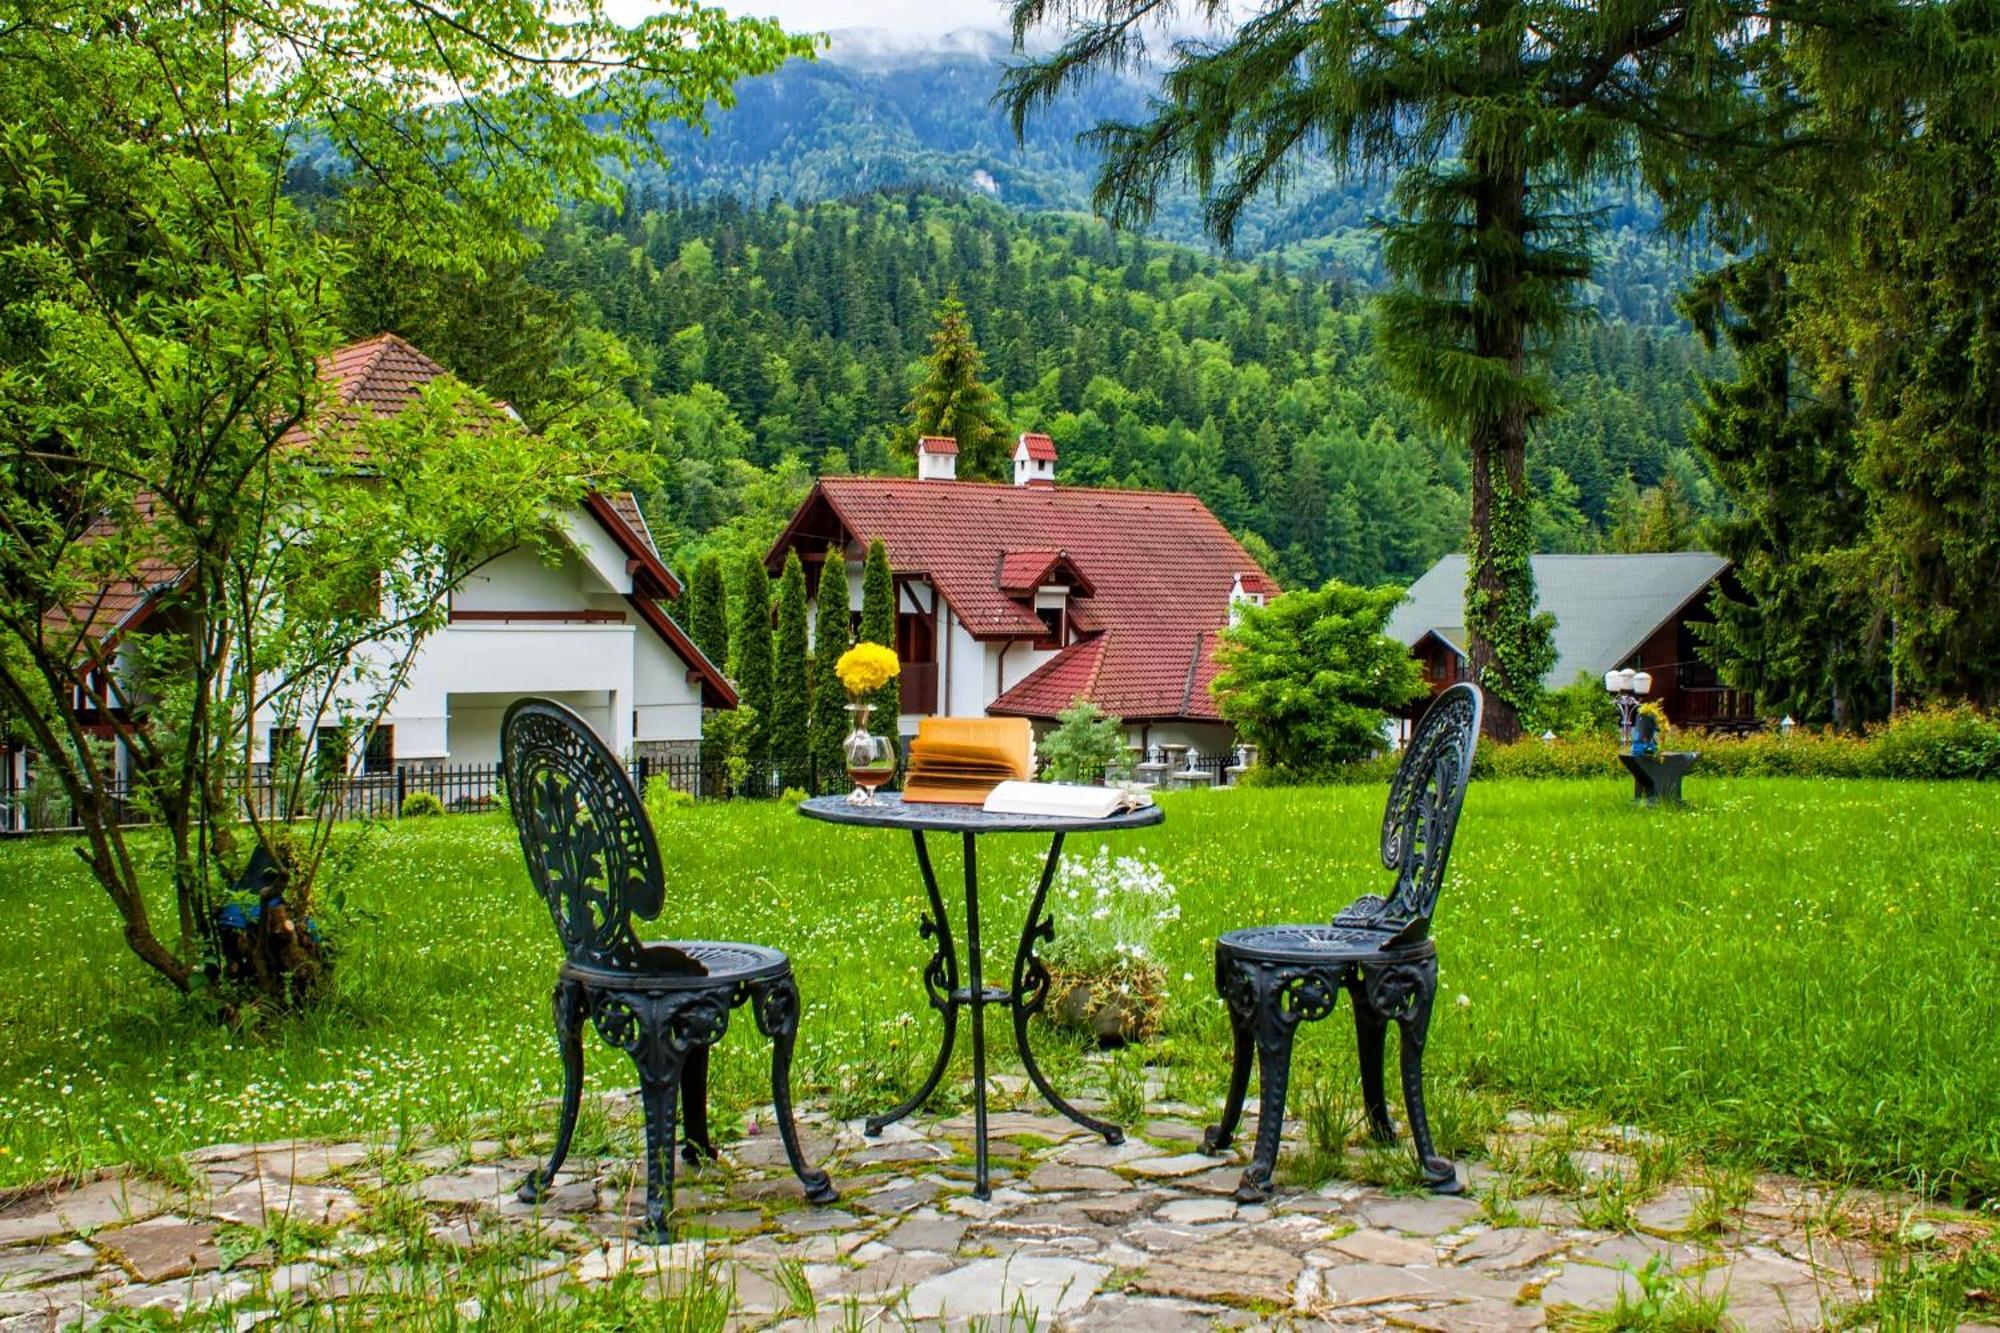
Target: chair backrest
{"x": 1424, "y": 801}
{"x": 583, "y": 831}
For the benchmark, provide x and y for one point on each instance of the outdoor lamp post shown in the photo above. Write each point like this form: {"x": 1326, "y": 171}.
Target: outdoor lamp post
{"x": 1625, "y": 687}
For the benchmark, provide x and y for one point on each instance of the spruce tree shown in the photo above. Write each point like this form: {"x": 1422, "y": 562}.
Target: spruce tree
{"x": 878, "y": 625}
{"x": 708, "y": 610}
{"x": 1500, "y": 115}
{"x": 829, "y": 696}
{"x": 951, "y": 400}
{"x": 753, "y": 671}
{"x": 791, "y": 682}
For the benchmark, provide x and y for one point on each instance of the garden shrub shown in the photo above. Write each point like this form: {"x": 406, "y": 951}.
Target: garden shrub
{"x": 1931, "y": 744}
{"x": 1085, "y": 747}
{"x": 663, "y": 798}
{"x": 421, "y": 805}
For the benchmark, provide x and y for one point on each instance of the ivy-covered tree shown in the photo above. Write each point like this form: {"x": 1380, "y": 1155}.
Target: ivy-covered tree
{"x": 829, "y": 699}
{"x": 1500, "y": 115}
{"x": 951, "y": 399}
{"x": 708, "y": 609}
{"x": 791, "y": 682}
{"x": 878, "y": 625}
{"x": 752, "y": 672}
{"x": 1310, "y": 678}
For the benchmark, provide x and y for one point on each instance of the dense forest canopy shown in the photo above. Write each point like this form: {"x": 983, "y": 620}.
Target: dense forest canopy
{"x": 782, "y": 342}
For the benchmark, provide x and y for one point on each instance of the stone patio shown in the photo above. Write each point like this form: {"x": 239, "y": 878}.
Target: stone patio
{"x": 1078, "y": 1234}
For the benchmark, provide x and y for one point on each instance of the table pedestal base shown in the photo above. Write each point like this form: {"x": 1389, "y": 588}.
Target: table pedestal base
{"x": 1024, "y": 998}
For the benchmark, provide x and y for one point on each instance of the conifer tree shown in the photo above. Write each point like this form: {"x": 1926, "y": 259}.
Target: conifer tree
{"x": 829, "y": 696}
{"x": 791, "y": 681}
{"x": 708, "y": 610}
{"x": 753, "y": 672}
{"x": 878, "y": 625}
{"x": 952, "y": 401}
{"x": 1500, "y": 114}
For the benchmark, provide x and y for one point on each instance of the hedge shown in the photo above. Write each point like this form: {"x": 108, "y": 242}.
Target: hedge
{"x": 1925, "y": 744}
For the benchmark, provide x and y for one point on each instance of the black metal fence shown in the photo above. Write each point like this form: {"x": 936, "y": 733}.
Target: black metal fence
{"x": 451, "y": 789}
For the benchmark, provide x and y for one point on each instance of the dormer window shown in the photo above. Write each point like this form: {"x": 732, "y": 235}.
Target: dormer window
{"x": 1052, "y": 609}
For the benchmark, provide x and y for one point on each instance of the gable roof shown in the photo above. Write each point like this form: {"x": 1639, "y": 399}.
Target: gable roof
{"x": 1160, "y": 566}
{"x": 937, "y": 444}
{"x": 1605, "y": 606}
{"x": 1023, "y": 573}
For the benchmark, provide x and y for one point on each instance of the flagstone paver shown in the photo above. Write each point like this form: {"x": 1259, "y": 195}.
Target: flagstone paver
{"x": 1083, "y": 1235}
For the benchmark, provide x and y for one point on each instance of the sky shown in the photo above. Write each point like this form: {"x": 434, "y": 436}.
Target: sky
{"x": 915, "y": 17}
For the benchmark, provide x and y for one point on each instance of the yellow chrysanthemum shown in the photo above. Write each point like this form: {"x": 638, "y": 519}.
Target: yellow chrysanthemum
{"x": 1657, "y": 712}
{"x": 867, "y": 667}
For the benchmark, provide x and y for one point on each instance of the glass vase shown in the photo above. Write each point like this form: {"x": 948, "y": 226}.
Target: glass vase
{"x": 871, "y": 759}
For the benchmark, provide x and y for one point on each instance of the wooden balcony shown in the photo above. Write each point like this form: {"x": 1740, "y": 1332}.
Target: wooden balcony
{"x": 919, "y": 687}
{"x": 1715, "y": 708}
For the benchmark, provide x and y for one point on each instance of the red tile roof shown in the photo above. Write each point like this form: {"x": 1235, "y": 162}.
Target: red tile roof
{"x": 937, "y": 444}
{"x": 1039, "y": 447}
{"x": 1161, "y": 568}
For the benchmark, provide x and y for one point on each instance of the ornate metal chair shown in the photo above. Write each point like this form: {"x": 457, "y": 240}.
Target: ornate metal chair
{"x": 1378, "y": 950}
{"x": 594, "y": 859}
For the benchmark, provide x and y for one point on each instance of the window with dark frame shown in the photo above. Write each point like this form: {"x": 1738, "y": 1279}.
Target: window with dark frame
{"x": 1052, "y": 627}
{"x": 379, "y": 756}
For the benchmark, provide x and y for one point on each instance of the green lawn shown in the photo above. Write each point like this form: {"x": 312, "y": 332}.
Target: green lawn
{"x": 1793, "y": 974}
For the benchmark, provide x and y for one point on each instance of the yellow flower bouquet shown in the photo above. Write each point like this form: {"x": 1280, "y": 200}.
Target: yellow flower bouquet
{"x": 866, "y": 668}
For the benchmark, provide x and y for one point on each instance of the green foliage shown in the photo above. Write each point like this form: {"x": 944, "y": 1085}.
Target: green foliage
{"x": 791, "y": 681}
{"x": 1309, "y": 677}
{"x": 420, "y": 805}
{"x": 878, "y": 625}
{"x": 726, "y": 739}
{"x": 1256, "y": 387}
{"x": 708, "y": 613}
{"x": 951, "y": 401}
{"x": 829, "y": 698}
{"x": 1085, "y": 746}
{"x": 1581, "y": 708}
{"x": 170, "y": 281}
{"x": 753, "y": 674}
{"x": 664, "y": 800}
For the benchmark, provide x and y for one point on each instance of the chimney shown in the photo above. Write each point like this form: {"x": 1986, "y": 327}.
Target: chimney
{"x": 1034, "y": 461}
{"x": 937, "y": 458}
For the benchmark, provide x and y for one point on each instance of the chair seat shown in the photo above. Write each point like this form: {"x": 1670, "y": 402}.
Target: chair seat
{"x": 663, "y": 965}
{"x": 1322, "y": 944}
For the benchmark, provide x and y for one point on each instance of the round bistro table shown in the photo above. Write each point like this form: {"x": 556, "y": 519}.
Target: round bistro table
{"x": 1030, "y": 988}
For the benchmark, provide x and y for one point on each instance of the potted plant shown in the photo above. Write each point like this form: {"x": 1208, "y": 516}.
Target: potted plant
{"x": 1105, "y": 975}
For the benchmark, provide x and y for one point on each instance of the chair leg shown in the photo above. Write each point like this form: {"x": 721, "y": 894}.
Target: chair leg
{"x": 1370, "y": 1033}
{"x": 659, "y": 1089}
{"x": 570, "y": 1008}
{"x": 776, "y": 1004}
{"x": 1413, "y": 1022}
{"x": 1223, "y": 1132}
{"x": 696, "y": 1146}
{"x": 1274, "y": 1076}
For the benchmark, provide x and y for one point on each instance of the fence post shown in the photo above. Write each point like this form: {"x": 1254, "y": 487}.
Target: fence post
{"x": 402, "y": 789}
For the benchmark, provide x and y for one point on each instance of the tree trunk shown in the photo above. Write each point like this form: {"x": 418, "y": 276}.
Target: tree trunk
{"x": 1498, "y": 443}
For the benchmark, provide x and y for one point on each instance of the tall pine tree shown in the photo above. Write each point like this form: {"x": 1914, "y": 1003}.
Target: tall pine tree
{"x": 878, "y": 625}
{"x": 829, "y": 696}
{"x": 952, "y": 401}
{"x": 791, "y": 682}
{"x": 708, "y": 610}
{"x": 1501, "y": 116}
{"x": 753, "y": 671}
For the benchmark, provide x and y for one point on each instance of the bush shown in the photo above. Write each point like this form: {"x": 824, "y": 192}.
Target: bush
{"x": 1085, "y": 745}
{"x": 663, "y": 798}
{"x": 1579, "y": 709}
{"x": 421, "y": 805}
{"x": 1935, "y": 744}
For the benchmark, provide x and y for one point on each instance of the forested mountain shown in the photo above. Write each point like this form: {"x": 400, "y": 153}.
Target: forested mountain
{"x": 862, "y": 117}
{"x": 781, "y": 342}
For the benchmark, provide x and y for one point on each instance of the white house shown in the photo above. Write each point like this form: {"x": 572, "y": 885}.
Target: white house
{"x": 587, "y": 628}
{"x": 1018, "y": 600}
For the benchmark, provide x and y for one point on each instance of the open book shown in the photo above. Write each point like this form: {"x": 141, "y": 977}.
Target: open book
{"x": 1062, "y": 800}
{"x": 959, "y": 760}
